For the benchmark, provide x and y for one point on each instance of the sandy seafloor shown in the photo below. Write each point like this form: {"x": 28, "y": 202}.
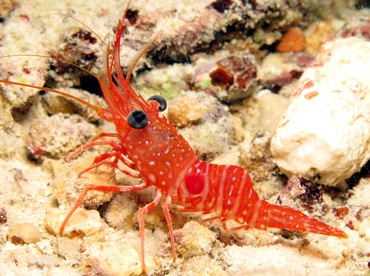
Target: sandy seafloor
{"x": 38, "y": 186}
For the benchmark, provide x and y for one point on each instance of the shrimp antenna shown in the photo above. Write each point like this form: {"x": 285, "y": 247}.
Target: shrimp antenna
{"x": 142, "y": 52}
{"x": 54, "y": 58}
{"x": 82, "y": 23}
{"x": 94, "y": 107}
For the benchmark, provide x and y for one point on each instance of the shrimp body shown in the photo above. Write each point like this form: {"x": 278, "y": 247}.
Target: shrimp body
{"x": 165, "y": 160}
{"x": 147, "y": 146}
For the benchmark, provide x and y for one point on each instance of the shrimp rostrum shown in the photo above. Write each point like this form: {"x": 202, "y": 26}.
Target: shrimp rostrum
{"x": 151, "y": 148}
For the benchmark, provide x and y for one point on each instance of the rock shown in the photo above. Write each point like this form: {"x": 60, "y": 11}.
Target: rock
{"x": 24, "y": 233}
{"x": 324, "y": 135}
{"x": 207, "y": 124}
{"x": 113, "y": 258}
{"x": 7, "y": 6}
{"x": 120, "y": 211}
{"x": 317, "y": 34}
{"x": 236, "y": 76}
{"x": 292, "y": 41}
{"x": 230, "y": 78}
{"x": 3, "y": 216}
{"x": 58, "y": 135}
{"x": 280, "y": 69}
{"x": 81, "y": 224}
{"x": 201, "y": 265}
{"x": 194, "y": 239}
{"x": 257, "y": 159}
{"x": 357, "y": 26}
{"x": 257, "y": 120}
{"x": 6, "y": 119}
{"x": 169, "y": 81}
{"x": 68, "y": 185}
{"x": 185, "y": 111}
{"x": 54, "y": 104}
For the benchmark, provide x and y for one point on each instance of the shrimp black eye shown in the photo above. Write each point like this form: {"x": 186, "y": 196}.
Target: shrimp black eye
{"x": 162, "y": 102}
{"x": 137, "y": 119}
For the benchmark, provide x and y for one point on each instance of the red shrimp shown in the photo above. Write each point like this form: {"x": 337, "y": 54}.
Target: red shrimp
{"x": 153, "y": 149}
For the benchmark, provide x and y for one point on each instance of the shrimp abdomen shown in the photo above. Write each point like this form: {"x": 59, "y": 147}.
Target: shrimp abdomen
{"x": 227, "y": 192}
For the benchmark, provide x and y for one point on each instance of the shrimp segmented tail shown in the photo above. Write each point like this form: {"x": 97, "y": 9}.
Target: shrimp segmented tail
{"x": 227, "y": 193}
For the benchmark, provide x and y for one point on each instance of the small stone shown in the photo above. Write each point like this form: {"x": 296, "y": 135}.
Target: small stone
{"x": 341, "y": 212}
{"x": 292, "y": 41}
{"x": 184, "y": 111}
{"x": 3, "y": 217}
{"x": 24, "y": 233}
{"x": 81, "y": 224}
{"x": 194, "y": 239}
{"x": 120, "y": 211}
{"x": 236, "y": 76}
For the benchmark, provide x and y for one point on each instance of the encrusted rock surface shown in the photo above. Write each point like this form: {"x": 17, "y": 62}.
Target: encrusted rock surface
{"x": 325, "y": 134}
{"x": 47, "y": 137}
{"x": 68, "y": 185}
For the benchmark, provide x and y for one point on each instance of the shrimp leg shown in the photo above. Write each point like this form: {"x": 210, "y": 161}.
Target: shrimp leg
{"x": 116, "y": 146}
{"x": 104, "y": 159}
{"x": 101, "y": 188}
{"x": 142, "y": 212}
{"x": 167, "y": 215}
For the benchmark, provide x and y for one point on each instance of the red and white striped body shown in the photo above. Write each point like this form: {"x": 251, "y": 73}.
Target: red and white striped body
{"x": 226, "y": 192}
